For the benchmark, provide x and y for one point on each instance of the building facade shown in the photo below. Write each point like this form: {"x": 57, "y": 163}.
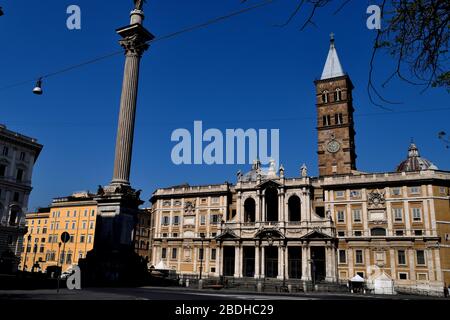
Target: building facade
{"x": 186, "y": 223}
{"x": 18, "y": 154}
{"x": 75, "y": 214}
{"x": 143, "y": 234}
{"x": 328, "y": 228}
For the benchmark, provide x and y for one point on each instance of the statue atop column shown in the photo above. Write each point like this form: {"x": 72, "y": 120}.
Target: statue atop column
{"x": 138, "y": 4}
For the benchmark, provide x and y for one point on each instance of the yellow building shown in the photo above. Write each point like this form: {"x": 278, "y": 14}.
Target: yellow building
{"x": 76, "y": 215}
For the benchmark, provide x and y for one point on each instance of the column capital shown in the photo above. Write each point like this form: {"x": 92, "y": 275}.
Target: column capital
{"x": 134, "y": 39}
{"x": 134, "y": 46}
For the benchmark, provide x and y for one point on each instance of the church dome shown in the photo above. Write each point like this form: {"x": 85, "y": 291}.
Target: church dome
{"x": 414, "y": 162}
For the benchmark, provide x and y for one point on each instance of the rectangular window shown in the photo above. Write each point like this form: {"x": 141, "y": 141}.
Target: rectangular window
{"x": 19, "y": 175}
{"x": 420, "y": 254}
{"x": 166, "y": 203}
{"x": 215, "y": 200}
{"x": 417, "y": 214}
{"x": 200, "y": 253}
{"x": 359, "y": 256}
{"x": 2, "y": 170}
{"x": 213, "y": 254}
{"x": 22, "y": 156}
{"x": 401, "y": 256}
{"x": 163, "y": 253}
{"x": 214, "y": 219}
{"x": 174, "y": 253}
{"x": 202, "y": 220}
{"x": 82, "y": 238}
{"x": 414, "y": 190}
{"x": 418, "y": 232}
{"x": 340, "y": 194}
{"x": 340, "y": 216}
{"x": 5, "y": 151}
{"x": 84, "y": 224}
{"x": 403, "y": 276}
{"x": 396, "y": 191}
{"x": 165, "y": 221}
{"x": 89, "y": 239}
{"x": 341, "y": 233}
{"x": 176, "y": 220}
{"x": 91, "y": 225}
{"x": 358, "y": 233}
{"x": 398, "y": 214}
{"x": 399, "y": 232}
{"x": 357, "y": 215}
{"x": 342, "y": 256}
{"x": 16, "y": 197}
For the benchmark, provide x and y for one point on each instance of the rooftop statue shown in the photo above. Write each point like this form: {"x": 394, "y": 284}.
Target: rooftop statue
{"x": 138, "y": 4}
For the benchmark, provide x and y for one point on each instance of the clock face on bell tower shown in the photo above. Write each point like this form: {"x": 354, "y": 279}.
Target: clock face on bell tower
{"x": 336, "y": 134}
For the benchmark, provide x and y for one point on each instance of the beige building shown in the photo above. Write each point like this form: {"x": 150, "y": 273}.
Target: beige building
{"x": 393, "y": 225}
{"x": 186, "y": 223}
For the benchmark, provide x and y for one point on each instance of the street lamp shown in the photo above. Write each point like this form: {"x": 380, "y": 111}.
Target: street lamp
{"x": 202, "y": 238}
{"x": 26, "y": 251}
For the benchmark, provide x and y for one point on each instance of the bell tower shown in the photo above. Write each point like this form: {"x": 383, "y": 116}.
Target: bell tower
{"x": 335, "y": 127}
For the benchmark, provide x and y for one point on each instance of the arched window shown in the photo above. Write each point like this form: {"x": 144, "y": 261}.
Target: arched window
{"x": 271, "y": 204}
{"x": 249, "y": 210}
{"x": 325, "y": 96}
{"x": 378, "y": 232}
{"x": 338, "y": 95}
{"x": 294, "y": 208}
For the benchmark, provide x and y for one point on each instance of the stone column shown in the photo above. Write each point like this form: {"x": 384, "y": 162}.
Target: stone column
{"x": 236, "y": 261}
{"x": 135, "y": 38}
{"x": 263, "y": 260}
{"x": 305, "y": 263}
{"x": 280, "y": 262}
{"x": 257, "y": 261}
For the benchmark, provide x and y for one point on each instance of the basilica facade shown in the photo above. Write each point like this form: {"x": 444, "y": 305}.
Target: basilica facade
{"x": 331, "y": 228}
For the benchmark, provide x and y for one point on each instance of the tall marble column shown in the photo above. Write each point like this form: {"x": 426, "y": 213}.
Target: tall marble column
{"x": 134, "y": 41}
{"x": 113, "y": 258}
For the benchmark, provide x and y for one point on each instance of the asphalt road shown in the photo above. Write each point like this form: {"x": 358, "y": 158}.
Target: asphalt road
{"x": 154, "y": 293}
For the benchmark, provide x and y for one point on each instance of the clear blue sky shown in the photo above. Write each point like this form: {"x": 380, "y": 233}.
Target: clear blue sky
{"x": 240, "y": 73}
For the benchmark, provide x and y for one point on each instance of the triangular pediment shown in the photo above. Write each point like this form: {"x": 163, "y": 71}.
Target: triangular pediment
{"x": 268, "y": 184}
{"x": 315, "y": 234}
{"x": 226, "y": 235}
